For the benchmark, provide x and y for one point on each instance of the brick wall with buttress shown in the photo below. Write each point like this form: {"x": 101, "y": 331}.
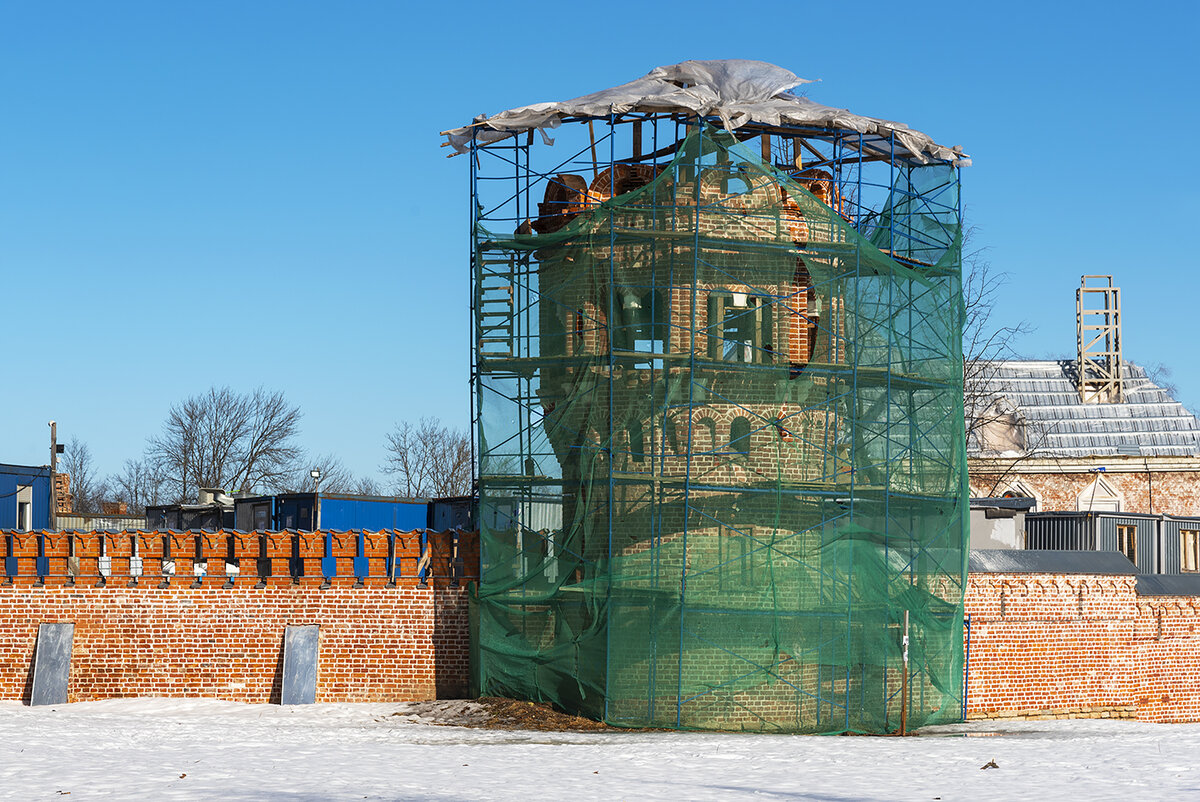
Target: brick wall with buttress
{"x": 1080, "y": 646}
{"x": 204, "y": 613}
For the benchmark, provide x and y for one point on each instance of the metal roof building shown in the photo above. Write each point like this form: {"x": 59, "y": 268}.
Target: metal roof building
{"x": 1043, "y": 400}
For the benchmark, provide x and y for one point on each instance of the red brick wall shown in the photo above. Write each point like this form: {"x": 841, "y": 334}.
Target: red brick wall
{"x": 1049, "y": 645}
{"x": 377, "y": 643}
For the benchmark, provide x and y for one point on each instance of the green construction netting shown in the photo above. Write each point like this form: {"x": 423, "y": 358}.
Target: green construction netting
{"x": 721, "y": 451}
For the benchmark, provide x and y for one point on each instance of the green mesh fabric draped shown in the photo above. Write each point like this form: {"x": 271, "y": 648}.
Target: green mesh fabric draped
{"x": 721, "y": 454}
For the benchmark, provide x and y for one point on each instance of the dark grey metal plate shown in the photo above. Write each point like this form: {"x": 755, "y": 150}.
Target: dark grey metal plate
{"x": 1168, "y": 585}
{"x": 52, "y": 664}
{"x": 1046, "y": 561}
{"x": 300, "y": 665}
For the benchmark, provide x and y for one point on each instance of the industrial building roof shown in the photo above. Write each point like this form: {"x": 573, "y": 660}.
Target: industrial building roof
{"x": 739, "y": 91}
{"x": 1168, "y": 585}
{"x": 1057, "y": 422}
{"x": 29, "y": 470}
{"x": 1050, "y": 561}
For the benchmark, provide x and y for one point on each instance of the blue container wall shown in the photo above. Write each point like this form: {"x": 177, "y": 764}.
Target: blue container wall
{"x": 40, "y": 498}
{"x": 344, "y": 513}
{"x": 293, "y": 513}
{"x": 340, "y": 513}
{"x": 453, "y": 515}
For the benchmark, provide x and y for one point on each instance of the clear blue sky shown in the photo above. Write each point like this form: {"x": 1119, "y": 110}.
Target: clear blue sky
{"x": 246, "y": 193}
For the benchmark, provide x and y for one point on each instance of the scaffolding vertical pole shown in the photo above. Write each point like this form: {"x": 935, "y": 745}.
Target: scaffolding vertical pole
{"x": 687, "y": 482}
{"x": 473, "y": 339}
{"x": 612, "y": 366}
{"x": 657, "y": 467}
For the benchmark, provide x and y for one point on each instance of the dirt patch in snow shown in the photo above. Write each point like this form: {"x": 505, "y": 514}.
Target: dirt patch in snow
{"x": 498, "y": 714}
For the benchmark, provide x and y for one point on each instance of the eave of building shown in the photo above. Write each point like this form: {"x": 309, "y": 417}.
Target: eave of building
{"x": 1111, "y": 464}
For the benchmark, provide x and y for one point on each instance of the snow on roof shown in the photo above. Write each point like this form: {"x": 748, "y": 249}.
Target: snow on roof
{"x": 1147, "y": 423}
{"x": 739, "y": 91}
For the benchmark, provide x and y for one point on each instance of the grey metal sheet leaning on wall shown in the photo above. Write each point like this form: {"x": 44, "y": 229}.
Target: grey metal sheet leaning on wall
{"x": 300, "y": 665}
{"x": 1050, "y": 561}
{"x": 52, "y": 664}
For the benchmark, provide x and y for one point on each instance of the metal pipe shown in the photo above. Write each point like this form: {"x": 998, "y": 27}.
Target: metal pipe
{"x": 53, "y": 517}
{"x": 904, "y": 680}
{"x": 967, "y": 668}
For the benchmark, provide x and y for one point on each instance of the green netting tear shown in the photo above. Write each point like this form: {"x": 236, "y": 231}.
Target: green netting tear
{"x": 721, "y": 454}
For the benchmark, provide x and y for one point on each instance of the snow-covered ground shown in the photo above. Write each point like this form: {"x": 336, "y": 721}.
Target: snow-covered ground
{"x": 205, "y": 749}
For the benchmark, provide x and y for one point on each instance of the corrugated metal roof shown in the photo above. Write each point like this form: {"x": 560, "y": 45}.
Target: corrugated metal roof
{"x": 1058, "y": 423}
{"x": 1030, "y": 561}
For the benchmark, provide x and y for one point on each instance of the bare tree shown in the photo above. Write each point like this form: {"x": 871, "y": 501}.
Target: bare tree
{"x": 140, "y": 484}
{"x": 984, "y": 343}
{"x": 429, "y": 459}
{"x": 85, "y": 488}
{"x": 229, "y": 440}
{"x": 1162, "y": 375}
{"x": 335, "y": 476}
{"x": 366, "y": 486}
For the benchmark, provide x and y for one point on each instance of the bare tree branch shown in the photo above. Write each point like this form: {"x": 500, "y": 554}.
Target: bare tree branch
{"x": 366, "y": 486}
{"x": 335, "y": 476}
{"x": 984, "y": 343}
{"x": 77, "y": 461}
{"x": 1161, "y": 375}
{"x": 268, "y": 452}
{"x": 428, "y": 460}
{"x": 140, "y": 484}
{"x": 228, "y": 440}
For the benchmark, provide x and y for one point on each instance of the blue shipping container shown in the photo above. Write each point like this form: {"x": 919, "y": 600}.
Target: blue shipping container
{"x": 24, "y": 497}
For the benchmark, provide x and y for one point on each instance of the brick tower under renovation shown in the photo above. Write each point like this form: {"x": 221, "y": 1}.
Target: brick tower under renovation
{"x": 718, "y": 409}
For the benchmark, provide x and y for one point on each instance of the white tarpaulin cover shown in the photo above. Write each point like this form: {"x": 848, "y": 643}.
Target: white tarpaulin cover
{"x": 739, "y": 91}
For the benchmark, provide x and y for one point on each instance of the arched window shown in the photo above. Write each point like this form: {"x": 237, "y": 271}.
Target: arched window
{"x": 740, "y": 327}
{"x": 708, "y": 427}
{"x": 640, "y": 323}
{"x": 1019, "y": 489}
{"x": 676, "y": 440}
{"x": 552, "y": 337}
{"x": 637, "y": 440}
{"x": 739, "y": 436}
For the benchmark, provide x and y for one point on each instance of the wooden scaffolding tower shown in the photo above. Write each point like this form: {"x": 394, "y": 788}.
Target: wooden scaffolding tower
{"x": 1098, "y": 334}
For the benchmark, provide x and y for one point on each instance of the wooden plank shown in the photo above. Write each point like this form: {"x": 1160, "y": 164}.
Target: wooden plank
{"x": 592, "y": 138}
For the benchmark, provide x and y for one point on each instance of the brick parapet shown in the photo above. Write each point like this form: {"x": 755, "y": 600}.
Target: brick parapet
{"x": 446, "y": 559}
